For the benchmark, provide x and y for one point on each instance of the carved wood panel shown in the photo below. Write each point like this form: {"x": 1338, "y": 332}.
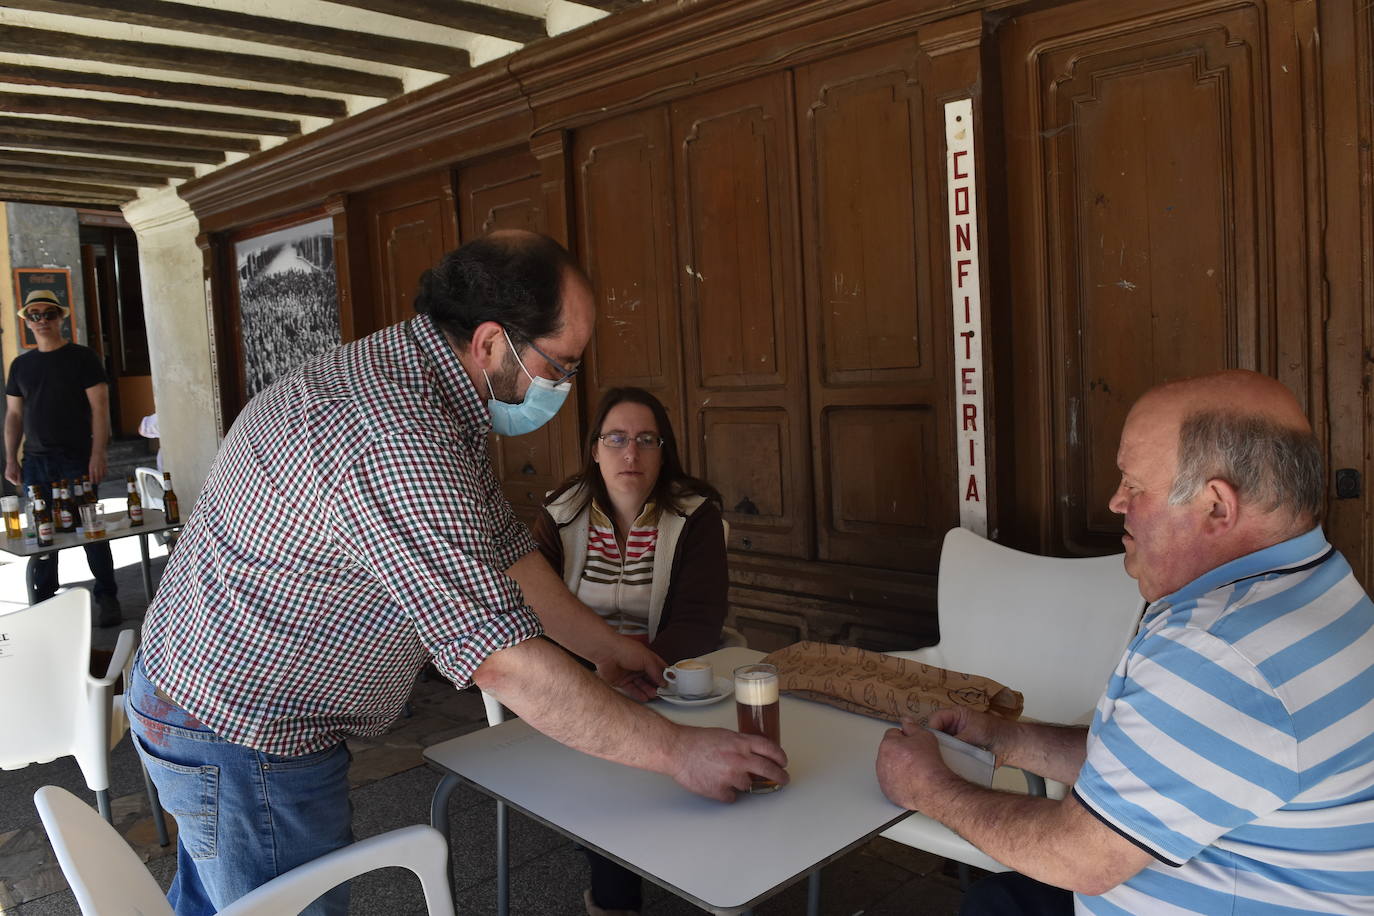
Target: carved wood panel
{"x": 622, "y": 174}
{"x": 506, "y": 192}
{"x": 1142, "y": 159}
{"x": 741, "y": 309}
{"x": 411, "y": 225}
{"x": 878, "y": 384}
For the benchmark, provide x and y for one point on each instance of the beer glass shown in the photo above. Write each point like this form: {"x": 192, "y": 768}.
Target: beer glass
{"x": 756, "y": 709}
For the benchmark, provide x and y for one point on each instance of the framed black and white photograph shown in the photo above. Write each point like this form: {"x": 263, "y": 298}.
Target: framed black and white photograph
{"x": 288, "y": 300}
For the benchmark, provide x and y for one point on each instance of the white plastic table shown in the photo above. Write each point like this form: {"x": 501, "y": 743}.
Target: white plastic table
{"x": 154, "y": 521}
{"x": 740, "y": 854}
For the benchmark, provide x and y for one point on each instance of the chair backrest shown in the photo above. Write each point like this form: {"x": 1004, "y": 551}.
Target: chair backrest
{"x": 105, "y": 875}
{"x": 45, "y": 656}
{"x": 108, "y": 879}
{"x": 149, "y": 487}
{"x": 1049, "y": 627}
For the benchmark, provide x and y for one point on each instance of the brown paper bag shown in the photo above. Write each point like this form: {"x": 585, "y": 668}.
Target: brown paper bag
{"x": 883, "y": 686}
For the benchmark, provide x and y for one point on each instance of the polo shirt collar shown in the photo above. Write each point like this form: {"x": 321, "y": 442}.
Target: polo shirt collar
{"x": 1300, "y": 552}
{"x": 451, "y": 379}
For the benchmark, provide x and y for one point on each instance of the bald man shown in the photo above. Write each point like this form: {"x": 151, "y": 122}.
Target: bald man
{"x": 1230, "y": 764}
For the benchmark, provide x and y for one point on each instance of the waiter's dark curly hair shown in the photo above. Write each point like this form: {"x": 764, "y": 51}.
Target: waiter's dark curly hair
{"x": 512, "y": 277}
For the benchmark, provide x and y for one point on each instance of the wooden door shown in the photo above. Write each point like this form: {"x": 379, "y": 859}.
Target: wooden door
{"x": 506, "y": 192}
{"x": 1151, "y": 184}
{"x": 742, "y": 331}
{"x": 869, "y": 137}
{"x": 411, "y": 224}
{"x": 622, "y": 176}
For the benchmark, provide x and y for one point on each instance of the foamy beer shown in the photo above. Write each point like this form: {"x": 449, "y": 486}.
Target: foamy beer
{"x": 756, "y": 708}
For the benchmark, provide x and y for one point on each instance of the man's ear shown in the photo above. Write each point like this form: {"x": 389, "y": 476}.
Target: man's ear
{"x": 488, "y": 346}
{"x": 1223, "y": 502}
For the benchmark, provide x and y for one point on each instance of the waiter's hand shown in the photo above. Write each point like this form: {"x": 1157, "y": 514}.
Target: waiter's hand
{"x": 12, "y": 473}
{"x": 97, "y": 466}
{"x": 633, "y": 667}
{"x": 718, "y": 763}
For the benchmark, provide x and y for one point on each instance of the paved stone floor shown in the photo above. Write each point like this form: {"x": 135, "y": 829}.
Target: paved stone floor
{"x": 392, "y": 788}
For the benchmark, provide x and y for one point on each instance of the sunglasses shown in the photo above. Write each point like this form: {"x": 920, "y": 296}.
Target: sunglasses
{"x": 45, "y": 315}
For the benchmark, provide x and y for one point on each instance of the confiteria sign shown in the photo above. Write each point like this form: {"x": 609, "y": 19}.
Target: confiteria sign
{"x": 968, "y": 321}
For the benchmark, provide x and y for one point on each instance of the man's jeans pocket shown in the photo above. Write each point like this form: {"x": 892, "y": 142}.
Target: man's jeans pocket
{"x": 188, "y": 793}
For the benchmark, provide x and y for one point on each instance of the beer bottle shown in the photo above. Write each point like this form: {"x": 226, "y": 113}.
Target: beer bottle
{"x": 90, "y": 490}
{"x": 66, "y": 511}
{"x": 78, "y": 494}
{"x": 42, "y": 518}
{"x": 135, "y": 504}
{"x": 169, "y": 500}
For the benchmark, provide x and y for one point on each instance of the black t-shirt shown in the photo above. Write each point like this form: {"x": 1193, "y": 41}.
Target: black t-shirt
{"x": 57, "y": 413}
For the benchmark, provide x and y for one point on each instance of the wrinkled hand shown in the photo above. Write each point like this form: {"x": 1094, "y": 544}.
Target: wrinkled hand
{"x": 717, "y": 763}
{"x": 634, "y": 668}
{"x": 910, "y": 769}
{"x": 973, "y": 727}
{"x": 12, "y": 473}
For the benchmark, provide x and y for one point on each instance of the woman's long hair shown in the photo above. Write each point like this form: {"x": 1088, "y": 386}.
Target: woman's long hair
{"x": 673, "y": 482}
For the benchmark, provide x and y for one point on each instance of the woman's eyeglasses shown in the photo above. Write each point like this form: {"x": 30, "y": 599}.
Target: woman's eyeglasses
{"x": 45, "y": 315}
{"x": 621, "y": 440}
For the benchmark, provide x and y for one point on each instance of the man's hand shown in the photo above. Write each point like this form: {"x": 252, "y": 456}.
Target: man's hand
{"x": 980, "y": 729}
{"x": 910, "y": 768}
{"x": 717, "y": 763}
{"x": 634, "y": 668}
{"x": 12, "y": 472}
{"x": 97, "y": 467}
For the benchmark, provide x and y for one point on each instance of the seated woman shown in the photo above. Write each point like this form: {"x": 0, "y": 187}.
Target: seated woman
{"x": 642, "y": 544}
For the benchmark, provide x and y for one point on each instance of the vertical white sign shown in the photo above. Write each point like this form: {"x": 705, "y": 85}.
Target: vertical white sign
{"x": 969, "y": 417}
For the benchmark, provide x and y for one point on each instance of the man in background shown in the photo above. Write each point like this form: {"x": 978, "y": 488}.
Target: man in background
{"x": 58, "y": 407}
{"x": 1229, "y": 767}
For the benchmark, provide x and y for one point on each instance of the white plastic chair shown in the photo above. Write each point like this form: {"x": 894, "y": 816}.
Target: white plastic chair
{"x": 107, "y": 877}
{"x": 1051, "y": 628}
{"x": 50, "y": 704}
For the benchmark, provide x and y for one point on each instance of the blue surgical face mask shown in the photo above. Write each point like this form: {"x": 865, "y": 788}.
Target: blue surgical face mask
{"x": 542, "y": 400}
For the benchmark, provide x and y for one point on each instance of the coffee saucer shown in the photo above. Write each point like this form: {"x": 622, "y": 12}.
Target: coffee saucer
{"x": 724, "y": 687}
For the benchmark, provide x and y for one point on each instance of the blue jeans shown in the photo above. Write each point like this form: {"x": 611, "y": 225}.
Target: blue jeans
{"x": 41, "y": 471}
{"x": 243, "y": 817}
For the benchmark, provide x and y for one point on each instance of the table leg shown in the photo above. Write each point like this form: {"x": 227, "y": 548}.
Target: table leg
{"x": 813, "y": 894}
{"x": 502, "y": 860}
{"x": 29, "y": 583}
{"x": 147, "y": 568}
{"x": 438, "y": 819}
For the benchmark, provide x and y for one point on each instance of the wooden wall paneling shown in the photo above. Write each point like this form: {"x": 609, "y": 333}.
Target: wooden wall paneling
{"x": 743, "y": 347}
{"x": 622, "y": 175}
{"x": 1140, "y": 177}
{"x": 1347, "y": 267}
{"x": 345, "y": 265}
{"x": 411, "y": 224}
{"x": 877, "y": 336}
{"x": 507, "y": 192}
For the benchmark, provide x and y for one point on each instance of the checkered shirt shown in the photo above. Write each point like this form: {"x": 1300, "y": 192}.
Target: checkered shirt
{"x": 351, "y": 528}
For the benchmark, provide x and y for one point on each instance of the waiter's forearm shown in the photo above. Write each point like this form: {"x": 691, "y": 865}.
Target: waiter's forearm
{"x": 565, "y": 701}
{"x": 14, "y": 432}
{"x": 567, "y": 621}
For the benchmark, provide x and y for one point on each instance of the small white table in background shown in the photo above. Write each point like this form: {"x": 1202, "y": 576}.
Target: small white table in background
{"x": 154, "y": 521}
{"x": 741, "y": 854}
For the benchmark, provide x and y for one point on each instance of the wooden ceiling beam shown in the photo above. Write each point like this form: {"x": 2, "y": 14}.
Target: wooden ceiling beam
{"x": 152, "y": 170}
{"x": 25, "y": 172}
{"x": 126, "y": 135}
{"x": 132, "y": 150}
{"x": 132, "y": 113}
{"x": 608, "y": 6}
{"x": 313, "y": 105}
{"x": 259, "y": 69}
{"x": 220, "y": 23}
{"x": 57, "y": 200}
{"x": 74, "y": 188}
{"x": 460, "y": 14}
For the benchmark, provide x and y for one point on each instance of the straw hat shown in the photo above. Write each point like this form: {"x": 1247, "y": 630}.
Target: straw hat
{"x": 43, "y": 297}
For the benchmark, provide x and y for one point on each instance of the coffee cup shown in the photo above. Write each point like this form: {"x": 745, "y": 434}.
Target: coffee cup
{"x": 692, "y": 677}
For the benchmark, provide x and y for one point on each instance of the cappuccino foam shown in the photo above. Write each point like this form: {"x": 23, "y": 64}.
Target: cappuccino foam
{"x": 691, "y": 664}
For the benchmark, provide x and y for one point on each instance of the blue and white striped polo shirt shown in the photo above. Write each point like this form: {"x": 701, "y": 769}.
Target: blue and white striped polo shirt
{"x": 1235, "y": 742}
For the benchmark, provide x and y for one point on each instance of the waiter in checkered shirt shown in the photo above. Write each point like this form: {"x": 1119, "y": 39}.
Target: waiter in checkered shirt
{"x": 351, "y": 530}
